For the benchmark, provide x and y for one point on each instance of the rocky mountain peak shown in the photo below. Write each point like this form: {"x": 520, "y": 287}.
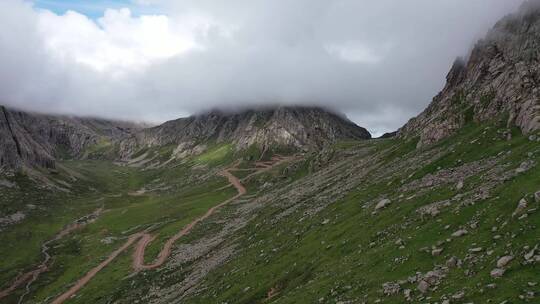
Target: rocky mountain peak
{"x": 36, "y": 140}
{"x": 500, "y": 79}
{"x": 292, "y": 127}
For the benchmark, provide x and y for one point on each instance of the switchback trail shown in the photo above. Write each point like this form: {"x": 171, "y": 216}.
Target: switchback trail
{"x": 138, "y": 255}
{"x": 143, "y": 239}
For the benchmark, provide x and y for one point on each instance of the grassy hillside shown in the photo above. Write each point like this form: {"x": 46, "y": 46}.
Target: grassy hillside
{"x": 358, "y": 222}
{"x": 347, "y": 252}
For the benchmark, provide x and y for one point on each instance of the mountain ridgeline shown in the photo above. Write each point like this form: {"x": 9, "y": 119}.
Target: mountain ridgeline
{"x": 33, "y": 140}
{"x": 499, "y": 79}
{"x": 36, "y": 141}
{"x": 292, "y": 128}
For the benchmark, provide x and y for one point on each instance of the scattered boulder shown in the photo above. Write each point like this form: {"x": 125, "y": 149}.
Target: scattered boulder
{"x": 432, "y": 209}
{"x": 459, "y": 185}
{"x": 476, "y": 250}
{"x": 423, "y": 286}
{"x": 459, "y": 295}
{"x": 525, "y": 166}
{"x": 497, "y": 273}
{"x": 537, "y": 196}
{"x": 382, "y": 204}
{"x": 436, "y": 251}
{"x": 505, "y": 260}
{"x": 391, "y": 288}
{"x": 522, "y": 205}
{"x": 452, "y": 262}
{"x": 460, "y": 233}
{"x": 433, "y": 277}
{"x": 408, "y": 294}
{"x": 530, "y": 255}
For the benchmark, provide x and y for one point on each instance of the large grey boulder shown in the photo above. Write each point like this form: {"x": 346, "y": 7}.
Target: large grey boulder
{"x": 383, "y": 204}
{"x": 504, "y": 261}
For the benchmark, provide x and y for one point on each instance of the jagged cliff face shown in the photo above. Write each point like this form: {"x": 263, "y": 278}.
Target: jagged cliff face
{"x": 37, "y": 140}
{"x": 291, "y": 127}
{"x": 30, "y": 140}
{"x": 500, "y": 80}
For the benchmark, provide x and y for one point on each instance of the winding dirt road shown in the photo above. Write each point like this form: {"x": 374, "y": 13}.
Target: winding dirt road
{"x": 31, "y": 276}
{"x": 138, "y": 254}
{"x": 144, "y": 239}
{"x": 84, "y": 280}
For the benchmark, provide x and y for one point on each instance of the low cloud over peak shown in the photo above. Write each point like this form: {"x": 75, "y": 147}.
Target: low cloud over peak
{"x": 380, "y": 62}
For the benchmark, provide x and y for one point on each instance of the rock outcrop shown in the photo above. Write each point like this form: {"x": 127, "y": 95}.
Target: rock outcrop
{"x": 500, "y": 79}
{"x": 301, "y": 128}
{"x": 34, "y": 140}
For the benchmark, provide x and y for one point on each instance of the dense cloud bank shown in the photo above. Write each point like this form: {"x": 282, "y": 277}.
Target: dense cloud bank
{"x": 378, "y": 61}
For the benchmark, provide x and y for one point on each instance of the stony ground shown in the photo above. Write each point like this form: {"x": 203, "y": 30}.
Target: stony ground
{"x": 376, "y": 221}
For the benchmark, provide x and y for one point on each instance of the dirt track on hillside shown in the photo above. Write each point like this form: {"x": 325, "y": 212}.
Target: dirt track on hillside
{"x": 138, "y": 255}
{"x": 144, "y": 239}
{"x": 31, "y": 276}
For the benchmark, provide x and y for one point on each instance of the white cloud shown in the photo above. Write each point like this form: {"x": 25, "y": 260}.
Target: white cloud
{"x": 355, "y": 52}
{"x": 118, "y": 42}
{"x": 146, "y": 2}
{"x": 379, "y": 61}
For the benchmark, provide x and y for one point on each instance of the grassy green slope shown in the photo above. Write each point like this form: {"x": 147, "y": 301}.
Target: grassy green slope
{"x": 313, "y": 235}
{"x": 346, "y": 253}
{"x": 161, "y": 200}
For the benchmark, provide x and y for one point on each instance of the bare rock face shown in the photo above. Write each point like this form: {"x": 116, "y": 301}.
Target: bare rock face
{"x": 17, "y": 145}
{"x": 501, "y": 78}
{"x": 36, "y": 140}
{"x": 300, "y": 128}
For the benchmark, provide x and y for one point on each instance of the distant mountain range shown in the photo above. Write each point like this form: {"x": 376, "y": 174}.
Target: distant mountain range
{"x": 498, "y": 80}
{"x": 37, "y": 140}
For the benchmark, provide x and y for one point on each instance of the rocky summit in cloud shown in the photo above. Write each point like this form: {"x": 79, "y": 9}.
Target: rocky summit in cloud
{"x": 378, "y": 61}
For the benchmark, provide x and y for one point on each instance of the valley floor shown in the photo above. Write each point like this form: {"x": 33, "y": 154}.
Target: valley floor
{"x": 375, "y": 221}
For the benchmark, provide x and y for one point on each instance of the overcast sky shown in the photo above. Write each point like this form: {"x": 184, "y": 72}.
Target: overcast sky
{"x": 379, "y": 61}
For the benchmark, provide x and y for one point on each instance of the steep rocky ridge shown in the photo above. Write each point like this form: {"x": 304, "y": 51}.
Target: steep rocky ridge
{"x": 36, "y": 140}
{"x": 501, "y": 76}
{"x": 287, "y": 127}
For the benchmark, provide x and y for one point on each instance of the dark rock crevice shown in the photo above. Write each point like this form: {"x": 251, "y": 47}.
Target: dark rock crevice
{"x": 10, "y": 128}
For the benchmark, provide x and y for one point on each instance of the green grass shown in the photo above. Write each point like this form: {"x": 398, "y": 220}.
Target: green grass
{"x": 216, "y": 155}
{"x": 344, "y": 252}
{"x": 309, "y": 262}
{"x": 109, "y": 186}
{"x": 99, "y": 150}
